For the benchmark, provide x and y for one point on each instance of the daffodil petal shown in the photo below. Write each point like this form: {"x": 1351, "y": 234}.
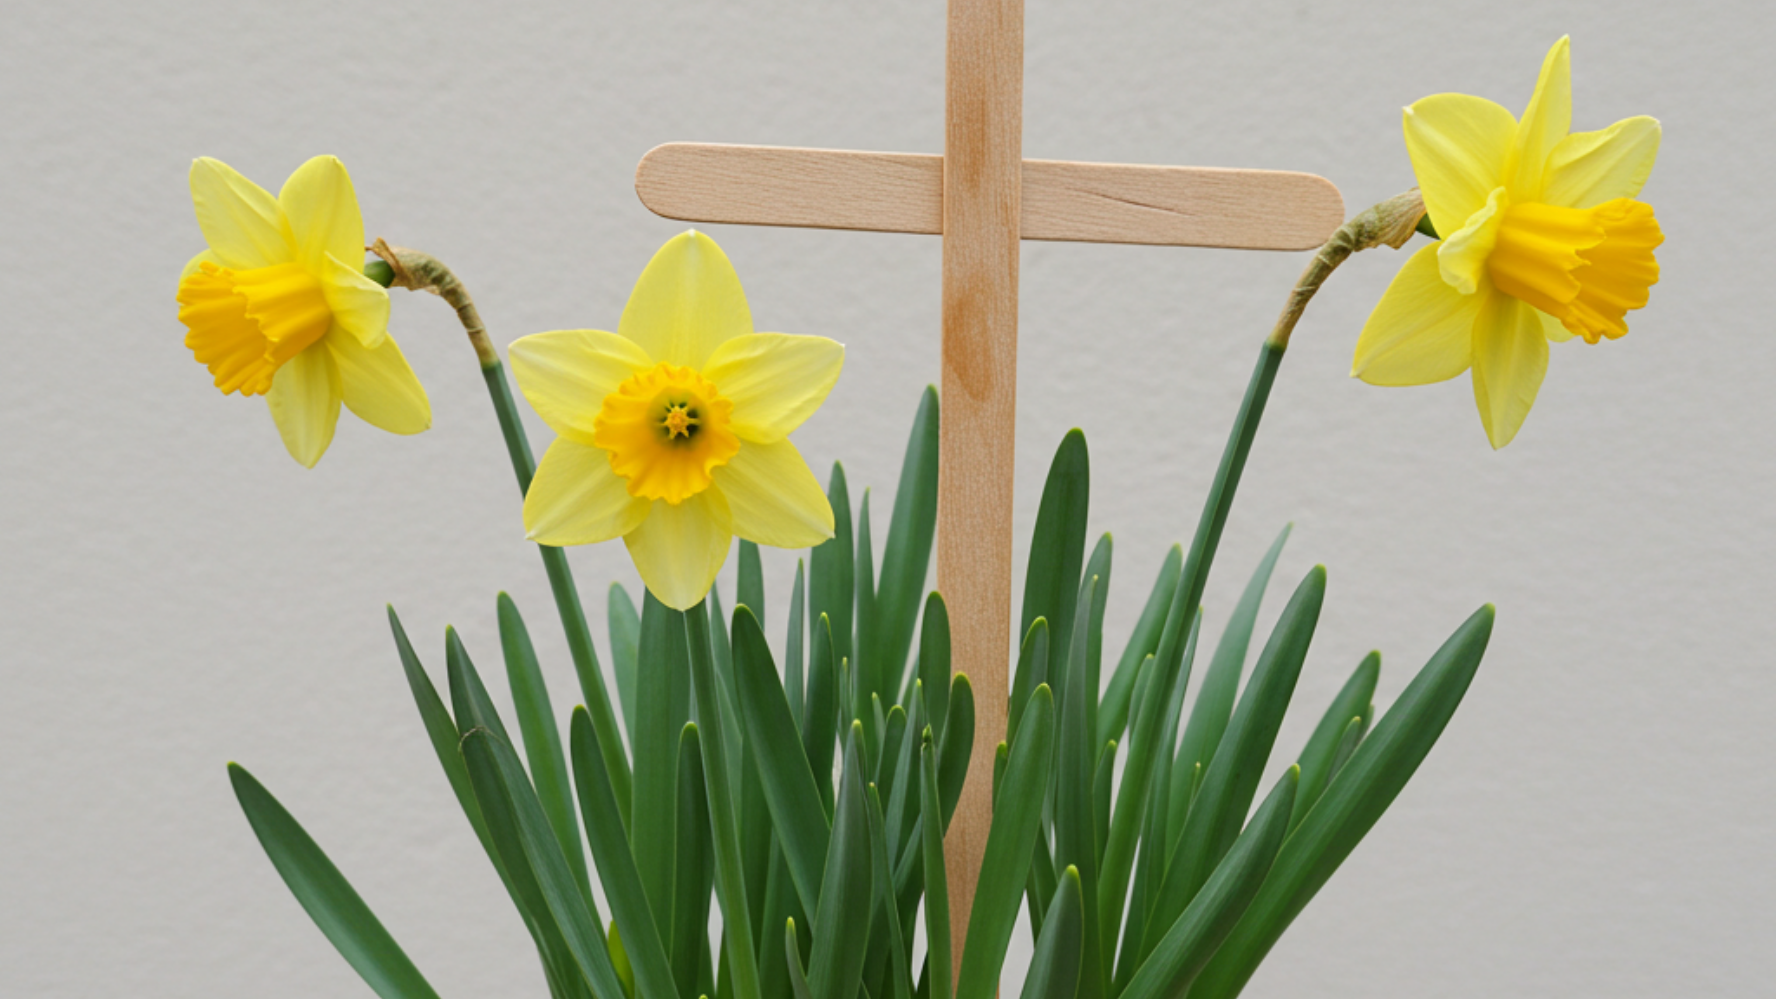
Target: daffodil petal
{"x": 687, "y": 302}
{"x": 304, "y": 402}
{"x": 679, "y": 548}
{"x": 322, "y": 208}
{"x": 774, "y": 380}
{"x": 239, "y": 219}
{"x": 1588, "y": 168}
{"x": 575, "y": 498}
{"x": 1545, "y": 123}
{"x": 1421, "y": 331}
{"x": 1510, "y": 358}
{"x": 774, "y": 497}
{"x": 378, "y": 385}
{"x": 359, "y": 305}
{"x": 1462, "y": 255}
{"x": 206, "y": 257}
{"x": 566, "y": 375}
{"x": 1458, "y": 146}
{"x": 1554, "y": 329}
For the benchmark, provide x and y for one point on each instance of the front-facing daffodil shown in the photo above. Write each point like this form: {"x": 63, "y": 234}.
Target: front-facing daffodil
{"x": 279, "y": 305}
{"x": 1542, "y": 240}
{"x": 672, "y": 433}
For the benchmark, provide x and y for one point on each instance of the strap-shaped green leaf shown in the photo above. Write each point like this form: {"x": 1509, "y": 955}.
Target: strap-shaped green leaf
{"x": 831, "y": 569}
{"x": 1206, "y": 922}
{"x": 900, "y": 975}
{"x": 328, "y": 898}
{"x": 616, "y": 866}
{"x": 788, "y": 784}
{"x": 1057, "y": 546}
{"x": 663, "y": 706}
{"x": 1113, "y": 710}
{"x": 1017, "y": 817}
{"x": 798, "y": 979}
{"x": 906, "y": 557}
{"x": 1076, "y": 847}
{"x": 934, "y": 661}
{"x": 795, "y": 646}
{"x": 468, "y": 695}
{"x": 441, "y": 730}
{"x": 693, "y": 868}
{"x": 872, "y": 675}
{"x": 1214, "y": 699}
{"x": 724, "y": 818}
{"x": 843, "y": 915}
{"x": 625, "y": 641}
{"x": 937, "y": 885}
{"x": 542, "y": 740}
{"x": 1351, "y": 805}
{"x": 1096, "y": 567}
{"x": 1347, "y": 745}
{"x": 820, "y": 722}
{"x": 749, "y": 588}
{"x": 529, "y": 849}
{"x": 903, "y": 794}
{"x": 956, "y": 745}
{"x": 1031, "y": 672}
{"x": 1318, "y": 756}
{"x": 1056, "y": 965}
{"x": 1230, "y": 782}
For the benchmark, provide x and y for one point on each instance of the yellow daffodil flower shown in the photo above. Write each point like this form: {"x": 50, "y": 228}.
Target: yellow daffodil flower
{"x": 672, "y": 433}
{"x": 279, "y": 306}
{"x": 1542, "y": 240}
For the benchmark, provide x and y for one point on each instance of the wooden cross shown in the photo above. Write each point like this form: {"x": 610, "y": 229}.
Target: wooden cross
{"x": 982, "y": 197}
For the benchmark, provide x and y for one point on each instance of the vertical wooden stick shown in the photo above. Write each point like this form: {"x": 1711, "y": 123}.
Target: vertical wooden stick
{"x": 983, "y": 157}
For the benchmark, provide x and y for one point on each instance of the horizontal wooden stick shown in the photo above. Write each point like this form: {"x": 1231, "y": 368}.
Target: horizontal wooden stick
{"x": 903, "y": 192}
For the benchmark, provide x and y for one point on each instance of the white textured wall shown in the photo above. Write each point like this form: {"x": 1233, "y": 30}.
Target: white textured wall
{"x": 178, "y": 593}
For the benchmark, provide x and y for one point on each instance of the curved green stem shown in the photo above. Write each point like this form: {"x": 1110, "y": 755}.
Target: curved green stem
{"x": 403, "y": 268}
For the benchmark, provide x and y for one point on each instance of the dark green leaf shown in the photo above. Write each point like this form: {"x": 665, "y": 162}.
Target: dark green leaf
{"x": 1032, "y": 672}
{"x": 1199, "y": 930}
{"x": 1017, "y": 819}
{"x": 328, "y": 898}
{"x": 1322, "y": 747}
{"x": 749, "y": 592}
{"x": 542, "y": 740}
{"x": 956, "y": 746}
{"x": 906, "y": 559}
{"x": 795, "y": 650}
{"x": 1056, "y": 965}
{"x": 841, "y": 921}
{"x": 934, "y": 661}
{"x": 1057, "y": 548}
{"x": 937, "y": 891}
{"x": 819, "y": 724}
{"x": 1351, "y": 805}
{"x": 1143, "y": 642}
{"x": 663, "y": 707}
{"x": 884, "y": 904}
{"x": 616, "y": 866}
{"x": 625, "y": 639}
{"x": 692, "y": 869}
{"x": 831, "y": 570}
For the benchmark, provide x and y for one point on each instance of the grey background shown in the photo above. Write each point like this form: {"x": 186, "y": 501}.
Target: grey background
{"x": 179, "y": 593}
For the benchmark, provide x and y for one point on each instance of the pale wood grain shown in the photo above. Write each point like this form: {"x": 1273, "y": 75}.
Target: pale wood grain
{"x": 904, "y": 192}
{"x": 980, "y": 197}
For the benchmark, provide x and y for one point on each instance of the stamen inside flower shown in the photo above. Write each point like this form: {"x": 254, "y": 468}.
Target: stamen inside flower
{"x": 244, "y": 325}
{"x": 666, "y": 430}
{"x": 1585, "y": 267}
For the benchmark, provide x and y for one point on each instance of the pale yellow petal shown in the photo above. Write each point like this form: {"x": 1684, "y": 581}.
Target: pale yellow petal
{"x": 1463, "y": 254}
{"x": 1554, "y": 329}
{"x": 687, "y": 302}
{"x": 575, "y": 498}
{"x": 1589, "y": 168}
{"x": 774, "y": 380}
{"x": 566, "y": 374}
{"x": 774, "y": 497}
{"x": 679, "y": 549}
{"x": 304, "y": 403}
{"x": 1420, "y": 332}
{"x": 359, "y": 305}
{"x": 378, "y": 385}
{"x": 1510, "y": 358}
{"x": 1458, "y": 146}
{"x": 239, "y": 219}
{"x": 1545, "y": 123}
{"x": 322, "y": 209}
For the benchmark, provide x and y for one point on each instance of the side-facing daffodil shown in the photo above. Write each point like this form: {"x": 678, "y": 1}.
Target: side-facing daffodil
{"x": 279, "y": 305}
{"x": 1542, "y": 240}
{"x": 672, "y": 433}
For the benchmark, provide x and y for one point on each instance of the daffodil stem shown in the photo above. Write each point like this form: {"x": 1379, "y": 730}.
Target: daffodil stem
{"x": 1390, "y": 223}
{"x": 723, "y": 820}
{"x": 403, "y": 268}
